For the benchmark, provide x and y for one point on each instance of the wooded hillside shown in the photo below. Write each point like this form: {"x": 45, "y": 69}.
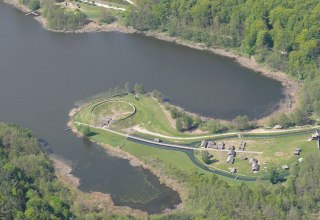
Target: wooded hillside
{"x": 285, "y": 34}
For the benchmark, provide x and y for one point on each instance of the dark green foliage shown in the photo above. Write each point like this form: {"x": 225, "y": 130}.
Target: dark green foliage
{"x": 34, "y": 4}
{"x": 205, "y": 156}
{"x": 61, "y": 19}
{"x": 213, "y": 126}
{"x": 86, "y": 131}
{"x": 28, "y": 186}
{"x": 285, "y": 34}
{"x": 187, "y": 121}
{"x": 274, "y": 176}
{"x": 179, "y": 124}
{"x": 175, "y": 113}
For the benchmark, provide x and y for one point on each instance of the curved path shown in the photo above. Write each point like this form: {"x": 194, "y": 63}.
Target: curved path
{"x": 103, "y": 5}
{"x": 261, "y": 133}
{"x": 188, "y": 149}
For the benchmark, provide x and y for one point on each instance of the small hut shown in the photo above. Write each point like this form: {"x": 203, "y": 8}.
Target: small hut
{"x": 253, "y": 160}
{"x": 232, "y": 153}
{"x": 212, "y": 145}
{"x": 204, "y": 144}
{"x": 230, "y": 159}
{"x": 233, "y": 170}
{"x": 316, "y": 137}
{"x": 296, "y": 152}
{"x": 221, "y": 146}
{"x": 277, "y": 127}
{"x": 285, "y": 167}
{"x": 255, "y": 167}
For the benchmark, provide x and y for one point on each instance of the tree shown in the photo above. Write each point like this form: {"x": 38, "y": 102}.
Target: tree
{"x": 127, "y": 88}
{"x": 138, "y": 89}
{"x": 274, "y": 176}
{"x": 179, "y": 124}
{"x": 117, "y": 91}
{"x": 106, "y": 16}
{"x": 187, "y": 121}
{"x": 175, "y": 113}
{"x": 34, "y": 5}
{"x": 241, "y": 122}
{"x": 86, "y": 131}
{"x": 214, "y": 126}
{"x": 205, "y": 156}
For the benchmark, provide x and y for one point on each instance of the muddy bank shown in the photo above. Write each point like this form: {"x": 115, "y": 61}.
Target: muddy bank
{"x": 152, "y": 166}
{"x": 291, "y": 86}
{"x": 93, "y": 200}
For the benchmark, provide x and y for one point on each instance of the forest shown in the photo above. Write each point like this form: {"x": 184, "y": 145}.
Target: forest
{"x": 29, "y": 187}
{"x": 284, "y": 34}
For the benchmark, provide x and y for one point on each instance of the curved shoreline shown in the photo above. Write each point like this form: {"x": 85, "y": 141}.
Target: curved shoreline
{"x": 291, "y": 86}
{"x": 135, "y": 162}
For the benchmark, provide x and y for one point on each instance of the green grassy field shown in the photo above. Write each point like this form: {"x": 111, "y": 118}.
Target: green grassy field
{"x": 276, "y": 150}
{"x": 94, "y": 12}
{"x": 149, "y": 115}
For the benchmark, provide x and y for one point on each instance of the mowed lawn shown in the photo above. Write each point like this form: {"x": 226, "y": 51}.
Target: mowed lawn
{"x": 277, "y": 151}
{"x": 173, "y": 158}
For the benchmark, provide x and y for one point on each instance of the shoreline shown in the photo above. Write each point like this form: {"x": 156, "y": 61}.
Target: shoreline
{"x": 291, "y": 87}
{"x": 135, "y": 162}
{"x": 99, "y": 200}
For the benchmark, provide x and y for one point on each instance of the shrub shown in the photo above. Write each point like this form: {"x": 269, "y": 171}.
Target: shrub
{"x": 34, "y": 5}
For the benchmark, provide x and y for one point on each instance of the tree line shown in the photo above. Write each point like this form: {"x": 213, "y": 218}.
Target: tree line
{"x": 283, "y": 34}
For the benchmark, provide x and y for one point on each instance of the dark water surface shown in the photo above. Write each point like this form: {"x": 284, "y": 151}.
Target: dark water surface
{"x": 43, "y": 74}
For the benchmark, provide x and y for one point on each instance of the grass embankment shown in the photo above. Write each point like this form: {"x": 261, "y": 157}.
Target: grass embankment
{"x": 149, "y": 116}
{"x": 276, "y": 148}
{"x": 95, "y": 13}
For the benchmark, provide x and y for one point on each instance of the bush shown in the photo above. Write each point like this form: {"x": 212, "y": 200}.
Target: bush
{"x": 34, "y": 5}
{"x": 106, "y": 16}
{"x": 60, "y": 19}
{"x": 241, "y": 123}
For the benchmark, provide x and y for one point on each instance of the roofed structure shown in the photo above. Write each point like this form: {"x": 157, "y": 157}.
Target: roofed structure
{"x": 230, "y": 159}
{"x": 204, "y": 144}
{"x": 285, "y": 167}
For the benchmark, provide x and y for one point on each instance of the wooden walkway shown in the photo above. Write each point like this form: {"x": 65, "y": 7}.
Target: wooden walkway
{"x": 33, "y": 13}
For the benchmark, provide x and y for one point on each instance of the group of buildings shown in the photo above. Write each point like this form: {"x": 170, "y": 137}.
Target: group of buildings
{"x": 231, "y": 155}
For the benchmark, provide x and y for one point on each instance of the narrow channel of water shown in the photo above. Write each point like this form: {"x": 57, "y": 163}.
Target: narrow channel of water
{"x": 43, "y": 74}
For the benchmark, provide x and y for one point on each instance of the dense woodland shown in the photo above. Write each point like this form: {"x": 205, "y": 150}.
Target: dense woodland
{"x": 29, "y": 188}
{"x": 284, "y": 34}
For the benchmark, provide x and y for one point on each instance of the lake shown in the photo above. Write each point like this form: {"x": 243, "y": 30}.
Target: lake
{"x": 43, "y": 74}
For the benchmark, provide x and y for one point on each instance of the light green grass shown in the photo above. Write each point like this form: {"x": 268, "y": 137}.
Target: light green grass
{"x": 94, "y": 12}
